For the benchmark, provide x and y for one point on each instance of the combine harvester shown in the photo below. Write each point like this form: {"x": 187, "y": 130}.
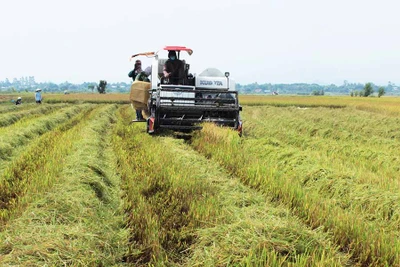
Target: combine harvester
{"x": 208, "y": 97}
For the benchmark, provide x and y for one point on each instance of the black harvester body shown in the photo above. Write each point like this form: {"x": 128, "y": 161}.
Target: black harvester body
{"x": 184, "y": 108}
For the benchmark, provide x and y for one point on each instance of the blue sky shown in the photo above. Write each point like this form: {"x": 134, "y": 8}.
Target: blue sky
{"x": 264, "y": 41}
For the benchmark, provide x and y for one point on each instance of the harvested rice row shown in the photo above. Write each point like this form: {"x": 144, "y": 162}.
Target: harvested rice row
{"x": 368, "y": 243}
{"x": 164, "y": 202}
{"x": 6, "y": 107}
{"x": 20, "y": 133}
{"x": 37, "y": 167}
{"x": 12, "y": 117}
{"x": 184, "y": 210}
{"x": 76, "y": 222}
{"x": 109, "y": 98}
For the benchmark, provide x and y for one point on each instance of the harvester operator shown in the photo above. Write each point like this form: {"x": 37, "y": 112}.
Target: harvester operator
{"x": 173, "y": 68}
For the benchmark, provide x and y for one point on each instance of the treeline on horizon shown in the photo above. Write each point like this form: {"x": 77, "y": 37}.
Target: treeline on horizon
{"x": 253, "y": 88}
{"x": 346, "y": 88}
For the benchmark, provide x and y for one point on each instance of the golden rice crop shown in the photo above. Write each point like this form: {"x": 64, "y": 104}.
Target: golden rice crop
{"x": 312, "y": 182}
{"x": 330, "y": 174}
{"x": 385, "y": 105}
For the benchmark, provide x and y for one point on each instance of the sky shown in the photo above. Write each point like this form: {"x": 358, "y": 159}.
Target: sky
{"x": 263, "y": 41}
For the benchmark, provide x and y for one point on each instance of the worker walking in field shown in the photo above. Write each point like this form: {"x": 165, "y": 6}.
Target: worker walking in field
{"x": 38, "y": 96}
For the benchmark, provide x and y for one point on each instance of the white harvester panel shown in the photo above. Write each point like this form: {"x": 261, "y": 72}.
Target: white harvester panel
{"x": 212, "y": 82}
{"x": 212, "y": 78}
{"x": 178, "y": 98}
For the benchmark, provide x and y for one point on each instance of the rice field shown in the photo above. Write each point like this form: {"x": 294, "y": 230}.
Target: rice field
{"x": 313, "y": 181}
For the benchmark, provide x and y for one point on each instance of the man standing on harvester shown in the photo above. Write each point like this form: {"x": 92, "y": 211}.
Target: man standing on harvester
{"x": 139, "y": 77}
{"x": 133, "y": 74}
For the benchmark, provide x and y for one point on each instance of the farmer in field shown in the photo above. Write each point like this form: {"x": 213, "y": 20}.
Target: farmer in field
{"x": 38, "y": 96}
{"x": 19, "y": 101}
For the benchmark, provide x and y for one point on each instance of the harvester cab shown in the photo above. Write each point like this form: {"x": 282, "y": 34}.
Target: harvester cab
{"x": 178, "y": 100}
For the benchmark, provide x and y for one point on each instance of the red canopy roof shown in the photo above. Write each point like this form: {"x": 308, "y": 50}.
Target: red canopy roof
{"x": 179, "y": 48}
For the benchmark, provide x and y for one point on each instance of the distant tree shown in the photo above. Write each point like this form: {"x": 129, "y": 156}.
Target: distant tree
{"x": 318, "y": 92}
{"x": 368, "y": 90}
{"x": 73, "y": 87}
{"x": 352, "y": 93}
{"x": 51, "y": 86}
{"x": 102, "y": 87}
{"x": 381, "y": 91}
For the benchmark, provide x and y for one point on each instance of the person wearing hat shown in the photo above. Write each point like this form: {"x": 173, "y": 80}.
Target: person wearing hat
{"x": 173, "y": 68}
{"x": 138, "y": 74}
{"x": 19, "y": 101}
{"x": 137, "y": 70}
{"x": 38, "y": 96}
